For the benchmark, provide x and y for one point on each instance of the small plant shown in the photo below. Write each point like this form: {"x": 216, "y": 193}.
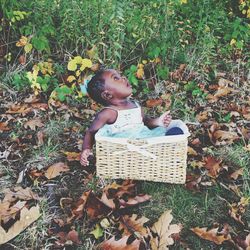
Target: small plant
{"x": 194, "y": 89}
{"x": 131, "y": 75}
{"x": 19, "y": 81}
{"x": 42, "y": 77}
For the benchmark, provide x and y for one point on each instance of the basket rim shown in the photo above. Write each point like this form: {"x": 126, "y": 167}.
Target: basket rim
{"x": 157, "y": 139}
{"x": 153, "y": 140}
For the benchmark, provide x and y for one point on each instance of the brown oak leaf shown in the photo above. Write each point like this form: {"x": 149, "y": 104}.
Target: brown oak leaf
{"x": 55, "y": 170}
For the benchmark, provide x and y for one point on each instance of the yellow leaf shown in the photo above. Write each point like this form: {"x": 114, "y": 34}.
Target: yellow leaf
{"x": 71, "y": 78}
{"x": 22, "y": 41}
{"x": 78, "y": 59}
{"x": 28, "y": 47}
{"x": 140, "y": 73}
{"x": 72, "y": 65}
{"x": 233, "y": 41}
{"x": 86, "y": 63}
{"x": 157, "y": 60}
{"x": 183, "y": 1}
{"x": 78, "y": 72}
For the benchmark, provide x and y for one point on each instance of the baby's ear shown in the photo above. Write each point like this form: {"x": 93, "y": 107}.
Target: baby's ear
{"x": 106, "y": 95}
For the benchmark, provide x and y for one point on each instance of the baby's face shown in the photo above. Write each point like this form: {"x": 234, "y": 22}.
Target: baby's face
{"x": 116, "y": 84}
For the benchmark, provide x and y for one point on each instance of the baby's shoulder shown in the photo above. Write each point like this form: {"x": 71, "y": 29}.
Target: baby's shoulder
{"x": 108, "y": 114}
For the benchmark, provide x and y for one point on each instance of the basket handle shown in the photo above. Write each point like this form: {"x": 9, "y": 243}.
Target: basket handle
{"x": 138, "y": 149}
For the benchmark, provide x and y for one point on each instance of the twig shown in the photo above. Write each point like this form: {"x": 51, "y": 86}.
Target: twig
{"x": 193, "y": 123}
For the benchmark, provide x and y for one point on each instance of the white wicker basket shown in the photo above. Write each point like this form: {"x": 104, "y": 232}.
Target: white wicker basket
{"x": 160, "y": 159}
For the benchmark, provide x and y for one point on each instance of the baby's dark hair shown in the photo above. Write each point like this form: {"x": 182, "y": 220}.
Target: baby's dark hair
{"x": 96, "y": 86}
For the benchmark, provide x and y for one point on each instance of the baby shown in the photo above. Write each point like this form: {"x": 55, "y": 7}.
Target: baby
{"x": 121, "y": 116}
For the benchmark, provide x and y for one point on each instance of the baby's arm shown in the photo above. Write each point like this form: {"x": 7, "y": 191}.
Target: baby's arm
{"x": 162, "y": 121}
{"x": 106, "y": 116}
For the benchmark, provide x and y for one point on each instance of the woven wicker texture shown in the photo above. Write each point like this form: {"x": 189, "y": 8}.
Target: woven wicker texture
{"x": 142, "y": 160}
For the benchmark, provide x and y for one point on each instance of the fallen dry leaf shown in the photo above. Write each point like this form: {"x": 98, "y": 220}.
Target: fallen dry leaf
{"x": 88, "y": 202}
{"x": 31, "y": 99}
{"x": 202, "y": 116}
{"x": 164, "y": 231}
{"x": 122, "y": 244}
{"x": 235, "y": 175}
{"x": 22, "y": 109}
{"x": 191, "y": 151}
{"x": 115, "y": 190}
{"x": 72, "y": 156}
{"x": 196, "y": 164}
{"x": 133, "y": 224}
{"x": 140, "y": 198}
{"x": 243, "y": 244}
{"x": 12, "y": 194}
{"x": 33, "y": 124}
{"x": 246, "y": 133}
{"x": 27, "y": 216}
{"x": 220, "y": 137}
{"x": 224, "y": 82}
{"x": 177, "y": 74}
{"x": 40, "y": 137}
{"x": 55, "y": 170}
{"x": 236, "y": 210}
{"x": 151, "y": 103}
{"x": 95, "y": 208}
{"x": 4, "y": 126}
{"x": 40, "y": 105}
{"x": 192, "y": 182}
{"x": 68, "y": 238}
{"x": 8, "y": 211}
{"x": 211, "y": 235}
{"x": 213, "y": 166}
{"x": 223, "y": 91}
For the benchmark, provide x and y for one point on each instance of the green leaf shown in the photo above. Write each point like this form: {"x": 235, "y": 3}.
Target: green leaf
{"x": 133, "y": 80}
{"x": 163, "y": 72}
{"x": 40, "y": 43}
{"x": 227, "y": 118}
{"x": 65, "y": 89}
{"x": 61, "y": 96}
{"x": 97, "y": 232}
{"x": 28, "y": 47}
{"x": 197, "y": 92}
{"x": 133, "y": 68}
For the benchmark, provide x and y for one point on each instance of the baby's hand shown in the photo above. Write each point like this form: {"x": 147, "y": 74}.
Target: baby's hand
{"x": 164, "y": 119}
{"x": 84, "y": 156}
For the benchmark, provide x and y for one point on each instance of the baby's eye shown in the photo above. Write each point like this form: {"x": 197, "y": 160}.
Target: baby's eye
{"x": 116, "y": 78}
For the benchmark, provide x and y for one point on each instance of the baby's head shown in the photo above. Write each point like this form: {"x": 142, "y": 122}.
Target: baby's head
{"x": 107, "y": 85}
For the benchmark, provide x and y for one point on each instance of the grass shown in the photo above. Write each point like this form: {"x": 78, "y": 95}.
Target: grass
{"x": 190, "y": 209}
{"x": 239, "y": 157}
{"x": 7, "y": 177}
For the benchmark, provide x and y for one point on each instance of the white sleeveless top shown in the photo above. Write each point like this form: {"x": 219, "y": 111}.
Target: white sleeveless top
{"x": 127, "y": 119}
{"x": 129, "y": 124}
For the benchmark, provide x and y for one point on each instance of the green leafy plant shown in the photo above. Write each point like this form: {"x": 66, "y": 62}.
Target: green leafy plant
{"x": 130, "y": 73}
